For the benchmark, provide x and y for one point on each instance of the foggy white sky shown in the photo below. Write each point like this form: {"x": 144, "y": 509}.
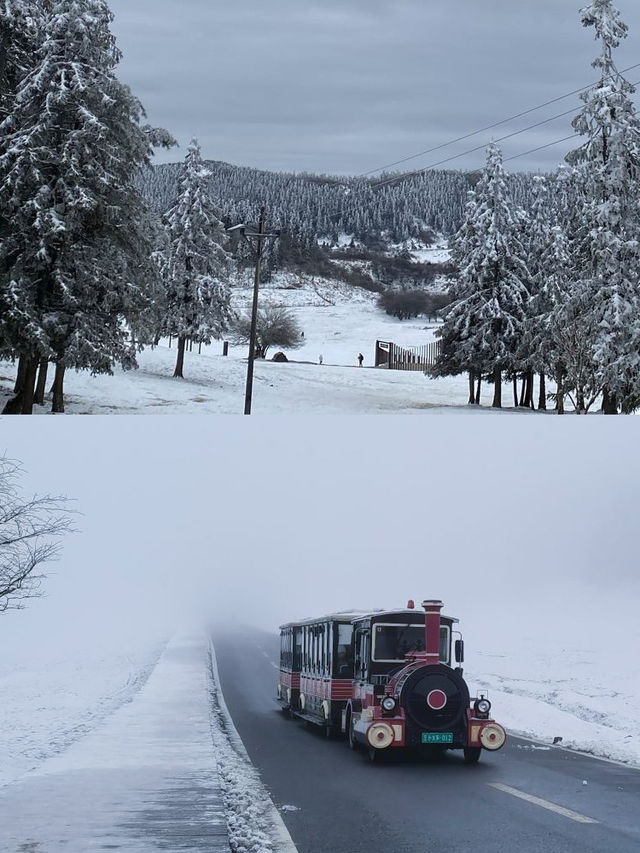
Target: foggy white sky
{"x": 346, "y": 86}
{"x": 278, "y": 519}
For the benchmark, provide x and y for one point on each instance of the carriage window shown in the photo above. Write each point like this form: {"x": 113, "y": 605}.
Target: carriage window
{"x": 343, "y": 663}
{"x": 392, "y": 642}
{"x": 297, "y": 649}
{"x": 362, "y": 654}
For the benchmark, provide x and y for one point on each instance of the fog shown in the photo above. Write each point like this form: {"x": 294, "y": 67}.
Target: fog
{"x": 513, "y": 522}
{"x": 346, "y": 86}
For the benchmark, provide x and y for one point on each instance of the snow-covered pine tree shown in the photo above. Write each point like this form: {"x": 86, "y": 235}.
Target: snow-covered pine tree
{"x": 77, "y": 255}
{"x": 608, "y": 251}
{"x": 20, "y": 31}
{"x": 538, "y": 238}
{"x": 197, "y": 266}
{"x": 566, "y": 328}
{"x": 457, "y": 328}
{"x": 484, "y": 328}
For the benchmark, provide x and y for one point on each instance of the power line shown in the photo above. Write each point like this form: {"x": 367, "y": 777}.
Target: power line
{"x": 488, "y": 127}
{"x": 403, "y": 175}
{"x": 541, "y": 147}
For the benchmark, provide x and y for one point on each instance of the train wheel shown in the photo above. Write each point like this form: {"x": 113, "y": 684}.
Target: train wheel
{"x": 472, "y": 754}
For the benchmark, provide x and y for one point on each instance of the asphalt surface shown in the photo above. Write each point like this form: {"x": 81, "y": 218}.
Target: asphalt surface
{"x": 342, "y": 803}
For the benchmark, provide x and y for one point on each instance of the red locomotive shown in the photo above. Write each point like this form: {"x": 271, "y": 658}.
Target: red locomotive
{"x": 386, "y": 680}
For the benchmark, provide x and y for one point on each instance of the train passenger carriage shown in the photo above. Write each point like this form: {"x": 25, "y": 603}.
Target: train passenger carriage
{"x": 387, "y": 680}
{"x": 316, "y": 668}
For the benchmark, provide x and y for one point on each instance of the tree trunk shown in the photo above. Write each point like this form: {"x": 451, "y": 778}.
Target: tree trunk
{"x": 609, "y": 403}
{"x": 13, "y": 406}
{"x": 177, "y": 373}
{"x": 515, "y": 390}
{"x": 42, "y": 381}
{"x": 523, "y": 389}
{"x": 57, "y": 406}
{"x": 497, "y": 390}
{"x": 559, "y": 392}
{"x": 542, "y": 396}
{"x": 28, "y": 390}
{"x": 580, "y": 401}
{"x": 530, "y": 389}
{"x": 22, "y": 364}
{"x": 472, "y": 389}
{"x": 478, "y": 388}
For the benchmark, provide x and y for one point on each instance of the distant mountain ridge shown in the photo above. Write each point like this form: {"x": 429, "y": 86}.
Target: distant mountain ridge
{"x": 313, "y": 207}
{"x": 349, "y": 229}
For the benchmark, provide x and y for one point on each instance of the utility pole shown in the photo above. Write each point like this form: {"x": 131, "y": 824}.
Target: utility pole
{"x": 258, "y": 240}
{"x": 248, "y": 394}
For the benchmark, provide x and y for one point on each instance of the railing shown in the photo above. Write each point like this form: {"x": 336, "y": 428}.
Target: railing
{"x": 395, "y": 357}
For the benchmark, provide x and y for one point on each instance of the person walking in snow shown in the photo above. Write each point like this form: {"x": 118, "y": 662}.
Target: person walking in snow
{"x": 360, "y": 359}
{"x": 319, "y": 359}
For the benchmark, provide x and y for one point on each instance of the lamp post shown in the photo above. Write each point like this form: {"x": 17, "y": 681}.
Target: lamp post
{"x": 258, "y": 241}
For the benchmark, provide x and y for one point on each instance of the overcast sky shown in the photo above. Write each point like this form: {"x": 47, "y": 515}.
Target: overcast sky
{"x": 345, "y": 86}
{"x": 264, "y": 521}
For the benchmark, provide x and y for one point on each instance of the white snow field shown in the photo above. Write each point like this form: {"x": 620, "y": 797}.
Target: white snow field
{"x": 587, "y": 696}
{"x": 338, "y": 323}
{"x": 142, "y": 778}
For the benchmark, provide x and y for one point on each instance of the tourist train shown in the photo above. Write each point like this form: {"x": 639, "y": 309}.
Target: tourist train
{"x": 388, "y": 680}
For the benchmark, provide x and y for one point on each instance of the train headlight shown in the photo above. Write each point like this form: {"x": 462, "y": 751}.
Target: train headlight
{"x": 483, "y": 706}
{"x": 492, "y": 736}
{"x": 380, "y": 735}
{"x": 388, "y": 703}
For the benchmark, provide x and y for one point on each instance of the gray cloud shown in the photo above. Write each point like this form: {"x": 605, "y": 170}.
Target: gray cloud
{"x": 345, "y": 86}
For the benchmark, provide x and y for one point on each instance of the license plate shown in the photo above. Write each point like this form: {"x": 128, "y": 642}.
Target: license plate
{"x": 437, "y": 737}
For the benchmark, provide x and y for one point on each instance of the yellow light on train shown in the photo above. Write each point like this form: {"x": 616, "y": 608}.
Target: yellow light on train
{"x": 380, "y": 735}
{"x": 493, "y": 736}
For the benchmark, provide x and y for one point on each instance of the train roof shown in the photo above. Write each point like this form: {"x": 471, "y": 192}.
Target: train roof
{"x": 350, "y": 616}
{"x": 400, "y": 611}
{"x": 341, "y": 616}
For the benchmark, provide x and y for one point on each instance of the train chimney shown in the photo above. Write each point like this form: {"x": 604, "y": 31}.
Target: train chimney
{"x": 410, "y": 604}
{"x": 432, "y": 610}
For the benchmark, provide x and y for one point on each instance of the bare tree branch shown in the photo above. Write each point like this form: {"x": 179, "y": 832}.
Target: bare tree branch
{"x": 31, "y": 530}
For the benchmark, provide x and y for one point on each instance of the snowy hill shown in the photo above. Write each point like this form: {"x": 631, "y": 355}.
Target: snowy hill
{"x": 338, "y": 322}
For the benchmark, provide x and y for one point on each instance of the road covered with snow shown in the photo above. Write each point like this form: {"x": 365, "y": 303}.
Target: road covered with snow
{"x": 141, "y": 778}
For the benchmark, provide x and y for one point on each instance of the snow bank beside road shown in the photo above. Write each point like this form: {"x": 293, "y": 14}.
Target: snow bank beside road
{"x": 587, "y": 697}
{"x": 255, "y": 825}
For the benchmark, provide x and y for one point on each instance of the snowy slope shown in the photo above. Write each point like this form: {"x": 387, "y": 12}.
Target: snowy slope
{"x": 586, "y": 695}
{"x": 338, "y": 323}
{"x": 50, "y": 700}
{"x": 146, "y": 777}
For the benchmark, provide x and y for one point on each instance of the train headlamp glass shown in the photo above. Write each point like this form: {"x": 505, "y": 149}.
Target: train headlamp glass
{"x": 388, "y": 703}
{"x": 483, "y": 706}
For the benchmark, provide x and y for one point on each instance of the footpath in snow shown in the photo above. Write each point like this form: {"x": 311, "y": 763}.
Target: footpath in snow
{"x": 143, "y": 779}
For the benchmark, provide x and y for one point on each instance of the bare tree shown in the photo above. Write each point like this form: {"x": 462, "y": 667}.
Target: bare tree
{"x": 277, "y": 326}
{"x": 31, "y": 530}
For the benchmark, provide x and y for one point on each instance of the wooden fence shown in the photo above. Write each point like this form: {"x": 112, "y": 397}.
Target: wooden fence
{"x": 395, "y": 357}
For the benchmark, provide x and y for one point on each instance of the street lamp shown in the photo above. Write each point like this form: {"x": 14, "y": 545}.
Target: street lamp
{"x": 258, "y": 240}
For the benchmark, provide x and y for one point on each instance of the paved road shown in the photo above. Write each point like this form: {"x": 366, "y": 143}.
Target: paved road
{"x": 345, "y": 804}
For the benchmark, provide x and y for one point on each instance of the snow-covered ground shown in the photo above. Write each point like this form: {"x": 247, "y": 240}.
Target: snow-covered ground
{"x": 586, "y": 695}
{"x": 49, "y": 700}
{"x": 143, "y": 777}
{"x": 338, "y": 323}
